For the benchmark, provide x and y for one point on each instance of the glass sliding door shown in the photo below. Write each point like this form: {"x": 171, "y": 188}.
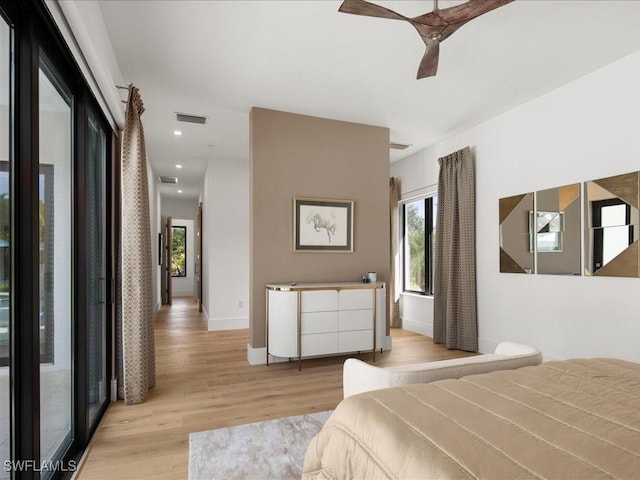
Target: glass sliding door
{"x": 56, "y": 264}
{"x": 97, "y": 269}
{"x": 57, "y": 223}
{"x": 5, "y": 242}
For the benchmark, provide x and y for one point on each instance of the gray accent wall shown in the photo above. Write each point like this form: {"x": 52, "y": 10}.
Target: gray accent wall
{"x": 296, "y": 155}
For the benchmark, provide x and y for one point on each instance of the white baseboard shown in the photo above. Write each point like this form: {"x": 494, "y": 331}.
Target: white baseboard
{"x": 418, "y": 327}
{"x": 182, "y": 293}
{"x": 205, "y": 313}
{"x": 256, "y": 356}
{"x": 228, "y": 323}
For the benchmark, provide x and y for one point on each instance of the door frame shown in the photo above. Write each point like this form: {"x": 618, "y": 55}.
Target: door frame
{"x": 167, "y": 266}
{"x": 199, "y": 245}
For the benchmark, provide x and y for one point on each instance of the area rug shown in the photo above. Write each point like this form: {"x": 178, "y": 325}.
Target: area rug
{"x": 273, "y": 449}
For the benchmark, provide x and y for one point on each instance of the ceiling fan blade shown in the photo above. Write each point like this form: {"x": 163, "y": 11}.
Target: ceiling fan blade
{"x": 360, "y": 7}
{"x": 433, "y": 27}
{"x": 463, "y": 12}
{"x": 429, "y": 64}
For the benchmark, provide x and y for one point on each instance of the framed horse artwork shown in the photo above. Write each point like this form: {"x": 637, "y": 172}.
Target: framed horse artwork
{"x": 322, "y": 225}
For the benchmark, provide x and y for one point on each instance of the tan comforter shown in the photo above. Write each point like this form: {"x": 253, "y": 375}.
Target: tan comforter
{"x": 576, "y": 419}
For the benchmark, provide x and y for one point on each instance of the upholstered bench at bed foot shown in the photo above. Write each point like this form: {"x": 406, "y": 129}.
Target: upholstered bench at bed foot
{"x": 358, "y": 376}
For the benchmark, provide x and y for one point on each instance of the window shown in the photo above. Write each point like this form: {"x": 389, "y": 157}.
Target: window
{"x": 419, "y": 217}
{"x": 178, "y": 251}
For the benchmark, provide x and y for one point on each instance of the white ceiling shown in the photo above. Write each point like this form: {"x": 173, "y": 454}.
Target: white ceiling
{"x": 220, "y": 58}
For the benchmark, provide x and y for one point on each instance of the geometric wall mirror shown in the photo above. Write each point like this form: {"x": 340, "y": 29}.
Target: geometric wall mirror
{"x": 556, "y": 228}
{"x": 516, "y": 255}
{"x": 612, "y": 226}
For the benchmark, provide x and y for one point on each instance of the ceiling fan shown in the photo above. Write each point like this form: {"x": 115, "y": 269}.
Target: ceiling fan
{"x": 433, "y": 27}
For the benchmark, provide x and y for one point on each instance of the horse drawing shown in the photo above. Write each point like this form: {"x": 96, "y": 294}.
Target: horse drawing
{"x": 320, "y": 223}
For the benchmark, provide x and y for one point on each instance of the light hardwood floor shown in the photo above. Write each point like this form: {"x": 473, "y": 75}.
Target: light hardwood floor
{"x": 204, "y": 382}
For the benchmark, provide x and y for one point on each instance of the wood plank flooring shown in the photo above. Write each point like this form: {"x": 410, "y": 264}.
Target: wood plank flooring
{"x": 204, "y": 382}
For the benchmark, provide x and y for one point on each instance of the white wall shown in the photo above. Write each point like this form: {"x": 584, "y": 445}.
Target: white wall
{"x": 585, "y": 130}
{"x": 185, "y": 286}
{"x": 155, "y": 205}
{"x": 187, "y": 209}
{"x": 225, "y": 254}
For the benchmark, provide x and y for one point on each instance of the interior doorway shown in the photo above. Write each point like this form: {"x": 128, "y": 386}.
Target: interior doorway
{"x": 180, "y": 266}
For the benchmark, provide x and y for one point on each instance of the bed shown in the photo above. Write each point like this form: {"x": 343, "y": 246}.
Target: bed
{"x": 574, "y": 419}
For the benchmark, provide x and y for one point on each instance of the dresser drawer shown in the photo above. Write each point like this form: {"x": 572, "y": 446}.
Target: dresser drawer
{"x": 355, "y": 320}
{"x": 356, "y": 299}
{"x": 354, "y": 341}
{"x": 319, "y": 344}
{"x": 319, "y": 301}
{"x": 318, "y": 322}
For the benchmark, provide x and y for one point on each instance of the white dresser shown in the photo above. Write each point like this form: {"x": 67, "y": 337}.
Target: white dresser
{"x": 314, "y": 319}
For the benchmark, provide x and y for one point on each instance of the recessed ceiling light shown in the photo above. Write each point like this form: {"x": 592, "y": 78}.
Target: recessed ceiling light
{"x": 178, "y": 166}
{"x": 177, "y": 133}
{"x": 179, "y": 191}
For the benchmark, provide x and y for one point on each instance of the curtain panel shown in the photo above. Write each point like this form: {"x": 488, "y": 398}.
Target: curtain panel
{"x": 393, "y": 290}
{"x": 455, "y": 307}
{"x": 136, "y": 359}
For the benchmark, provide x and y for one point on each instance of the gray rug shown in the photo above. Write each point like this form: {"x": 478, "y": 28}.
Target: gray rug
{"x": 273, "y": 449}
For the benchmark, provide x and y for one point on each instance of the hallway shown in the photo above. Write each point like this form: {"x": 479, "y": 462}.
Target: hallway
{"x": 204, "y": 382}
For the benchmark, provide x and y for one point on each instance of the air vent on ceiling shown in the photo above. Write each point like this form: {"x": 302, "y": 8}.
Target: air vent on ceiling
{"x": 172, "y": 180}
{"x": 398, "y": 146}
{"x": 183, "y": 117}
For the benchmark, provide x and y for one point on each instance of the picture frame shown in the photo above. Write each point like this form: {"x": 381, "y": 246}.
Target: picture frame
{"x": 322, "y": 225}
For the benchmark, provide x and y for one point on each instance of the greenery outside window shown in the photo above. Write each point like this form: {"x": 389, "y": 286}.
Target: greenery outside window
{"x": 178, "y": 251}
{"x": 419, "y": 227}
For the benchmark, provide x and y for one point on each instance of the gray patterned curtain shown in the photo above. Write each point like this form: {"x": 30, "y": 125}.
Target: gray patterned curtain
{"x": 136, "y": 355}
{"x": 455, "y": 321}
{"x": 393, "y": 293}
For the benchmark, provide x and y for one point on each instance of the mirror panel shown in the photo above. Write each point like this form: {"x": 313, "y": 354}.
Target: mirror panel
{"x": 612, "y": 220}
{"x": 515, "y": 236}
{"x": 548, "y": 230}
{"x": 557, "y": 230}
